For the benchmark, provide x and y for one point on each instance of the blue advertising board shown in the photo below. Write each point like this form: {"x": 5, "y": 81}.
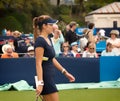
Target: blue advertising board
{"x": 79, "y": 30}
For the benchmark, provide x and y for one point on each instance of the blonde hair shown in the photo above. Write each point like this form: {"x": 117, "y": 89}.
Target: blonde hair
{"x": 85, "y": 31}
{"x": 37, "y": 28}
{"x": 91, "y": 44}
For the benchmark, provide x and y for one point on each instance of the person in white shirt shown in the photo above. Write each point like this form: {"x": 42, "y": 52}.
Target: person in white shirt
{"x": 74, "y": 49}
{"x": 90, "y": 52}
{"x": 108, "y": 51}
{"x": 115, "y": 41}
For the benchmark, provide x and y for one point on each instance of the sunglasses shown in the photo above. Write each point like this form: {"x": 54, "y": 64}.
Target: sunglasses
{"x": 65, "y": 46}
{"x": 92, "y": 48}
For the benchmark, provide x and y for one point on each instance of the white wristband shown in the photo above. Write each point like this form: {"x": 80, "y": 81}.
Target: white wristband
{"x": 63, "y": 70}
{"x": 38, "y": 82}
{"x": 41, "y": 83}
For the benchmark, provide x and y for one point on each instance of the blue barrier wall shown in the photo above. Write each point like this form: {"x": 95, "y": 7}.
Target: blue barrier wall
{"x": 109, "y": 68}
{"x": 13, "y": 70}
{"x": 84, "y": 69}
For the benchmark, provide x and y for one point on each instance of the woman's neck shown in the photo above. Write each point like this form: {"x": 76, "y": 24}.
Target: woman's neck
{"x": 44, "y": 34}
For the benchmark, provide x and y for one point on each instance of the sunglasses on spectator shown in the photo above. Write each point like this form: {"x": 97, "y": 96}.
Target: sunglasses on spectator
{"x": 65, "y": 46}
{"x": 92, "y": 48}
{"x": 76, "y": 45}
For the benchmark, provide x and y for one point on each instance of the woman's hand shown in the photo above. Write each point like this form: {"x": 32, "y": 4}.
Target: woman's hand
{"x": 39, "y": 90}
{"x": 69, "y": 76}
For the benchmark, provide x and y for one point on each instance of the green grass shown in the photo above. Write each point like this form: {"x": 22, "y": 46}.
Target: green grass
{"x": 66, "y": 95}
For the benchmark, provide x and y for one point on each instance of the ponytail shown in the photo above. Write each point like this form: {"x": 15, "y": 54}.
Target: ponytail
{"x": 37, "y": 26}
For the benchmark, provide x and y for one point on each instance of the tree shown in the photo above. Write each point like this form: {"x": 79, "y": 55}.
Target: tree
{"x": 9, "y": 22}
{"x": 24, "y": 11}
{"x": 80, "y": 6}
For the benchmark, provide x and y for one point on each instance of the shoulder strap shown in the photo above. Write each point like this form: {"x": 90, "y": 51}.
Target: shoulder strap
{"x": 87, "y": 33}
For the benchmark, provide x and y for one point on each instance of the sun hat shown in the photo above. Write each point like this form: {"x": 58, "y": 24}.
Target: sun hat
{"x": 116, "y": 32}
{"x": 30, "y": 48}
{"x": 5, "y": 47}
{"x": 102, "y": 32}
{"x": 16, "y": 32}
{"x": 74, "y": 43}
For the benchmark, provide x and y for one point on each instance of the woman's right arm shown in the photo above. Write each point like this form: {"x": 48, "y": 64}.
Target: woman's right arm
{"x": 39, "y": 51}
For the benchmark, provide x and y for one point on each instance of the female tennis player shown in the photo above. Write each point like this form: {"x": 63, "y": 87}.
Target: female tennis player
{"x": 43, "y": 26}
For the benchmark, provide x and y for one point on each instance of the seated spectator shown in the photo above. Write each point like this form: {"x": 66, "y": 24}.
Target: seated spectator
{"x": 9, "y": 32}
{"x": 23, "y": 46}
{"x": 100, "y": 35}
{"x": 17, "y": 40}
{"x": 74, "y": 49}
{"x": 16, "y": 34}
{"x": 30, "y": 52}
{"x": 11, "y": 42}
{"x": 108, "y": 51}
{"x": 8, "y": 52}
{"x": 90, "y": 52}
{"x": 115, "y": 41}
{"x": 66, "y": 50}
{"x": 28, "y": 42}
{"x": 57, "y": 40}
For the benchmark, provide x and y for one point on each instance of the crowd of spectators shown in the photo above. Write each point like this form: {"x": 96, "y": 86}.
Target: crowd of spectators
{"x": 15, "y": 44}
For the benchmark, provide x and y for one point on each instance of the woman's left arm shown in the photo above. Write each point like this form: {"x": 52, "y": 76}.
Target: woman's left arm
{"x": 63, "y": 70}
